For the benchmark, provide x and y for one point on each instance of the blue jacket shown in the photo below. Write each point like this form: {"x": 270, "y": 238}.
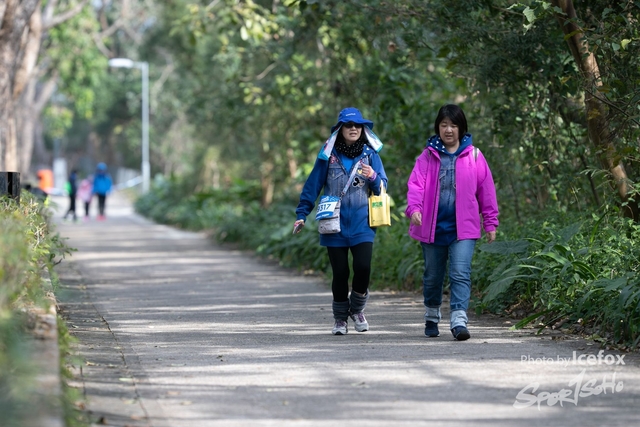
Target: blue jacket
{"x": 332, "y": 176}
{"x": 101, "y": 183}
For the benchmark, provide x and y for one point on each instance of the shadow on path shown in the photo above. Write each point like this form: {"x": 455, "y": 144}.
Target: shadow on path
{"x": 176, "y": 331}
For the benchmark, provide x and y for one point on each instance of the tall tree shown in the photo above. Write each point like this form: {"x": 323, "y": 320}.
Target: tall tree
{"x": 20, "y": 32}
{"x": 596, "y": 110}
{"x": 42, "y": 81}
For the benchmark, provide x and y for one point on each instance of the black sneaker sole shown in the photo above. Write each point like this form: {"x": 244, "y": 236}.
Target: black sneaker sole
{"x": 462, "y": 335}
{"x": 431, "y": 335}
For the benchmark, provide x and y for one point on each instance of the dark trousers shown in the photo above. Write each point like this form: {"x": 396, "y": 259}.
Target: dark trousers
{"x": 86, "y": 208}
{"x": 102, "y": 198}
{"x": 339, "y": 258}
{"x": 72, "y": 206}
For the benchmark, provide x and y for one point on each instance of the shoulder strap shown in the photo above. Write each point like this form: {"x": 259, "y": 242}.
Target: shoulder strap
{"x": 476, "y": 150}
{"x": 353, "y": 174}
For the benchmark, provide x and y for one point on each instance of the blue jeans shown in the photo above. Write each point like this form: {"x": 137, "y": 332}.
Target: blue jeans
{"x": 459, "y": 255}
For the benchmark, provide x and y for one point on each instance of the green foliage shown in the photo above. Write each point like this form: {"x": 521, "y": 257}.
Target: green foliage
{"x": 16, "y": 374}
{"x": 584, "y": 270}
{"x": 171, "y": 202}
{"x": 27, "y": 246}
{"x": 71, "y": 54}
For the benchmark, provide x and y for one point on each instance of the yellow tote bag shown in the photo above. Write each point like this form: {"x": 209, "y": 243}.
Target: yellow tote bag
{"x": 380, "y": 208}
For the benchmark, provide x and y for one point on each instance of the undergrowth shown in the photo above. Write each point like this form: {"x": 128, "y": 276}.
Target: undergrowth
{"x": 27, "y": 247}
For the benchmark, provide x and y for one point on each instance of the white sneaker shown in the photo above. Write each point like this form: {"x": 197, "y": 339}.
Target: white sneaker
{"x": 340, "y": 328}
{"x": 360, "y": 322}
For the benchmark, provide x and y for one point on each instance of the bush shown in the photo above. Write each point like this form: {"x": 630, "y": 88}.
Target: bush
{"x": 583, "y": 274}
{"x": 27, "y": 246}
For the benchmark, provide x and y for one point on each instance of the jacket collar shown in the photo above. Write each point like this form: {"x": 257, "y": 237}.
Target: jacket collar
{"x": 435, "y": 143}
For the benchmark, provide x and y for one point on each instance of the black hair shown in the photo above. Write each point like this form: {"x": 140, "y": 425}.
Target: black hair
{"x": 456, "y": 115}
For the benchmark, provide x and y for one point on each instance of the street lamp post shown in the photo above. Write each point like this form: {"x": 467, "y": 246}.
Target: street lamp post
{"x": 144, "y": 68}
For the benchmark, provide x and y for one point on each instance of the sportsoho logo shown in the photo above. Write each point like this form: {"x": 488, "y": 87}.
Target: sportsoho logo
{"x": 579, "y": 386}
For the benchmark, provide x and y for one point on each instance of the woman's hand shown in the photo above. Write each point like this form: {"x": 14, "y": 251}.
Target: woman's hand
{"x": 416, "y": 218}
{"x": 367, "y": 171}
{"x": 491, "y": 236}
{"x": 297, "y": 226}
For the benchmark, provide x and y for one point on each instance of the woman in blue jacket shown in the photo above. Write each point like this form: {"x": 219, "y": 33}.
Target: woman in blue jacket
{"x": 351, "y": 145}
{"x": 101, "y": 187}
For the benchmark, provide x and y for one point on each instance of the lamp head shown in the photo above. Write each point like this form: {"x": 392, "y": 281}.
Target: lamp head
{"x": 121, "y": 62}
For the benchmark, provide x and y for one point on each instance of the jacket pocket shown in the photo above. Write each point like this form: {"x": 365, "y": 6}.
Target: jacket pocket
{"x": 336, "y": 179}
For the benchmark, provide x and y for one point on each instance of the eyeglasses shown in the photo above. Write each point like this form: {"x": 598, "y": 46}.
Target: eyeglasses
{"x": 352, "y": 125}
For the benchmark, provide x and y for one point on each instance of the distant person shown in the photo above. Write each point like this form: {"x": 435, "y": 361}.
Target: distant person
{"x": 85, "y": 193}
{"x": 72, "y": 189}
{"x": 451, "y": 197}
{"x": 45, "y": 180}
{"x": 101, "y": 188}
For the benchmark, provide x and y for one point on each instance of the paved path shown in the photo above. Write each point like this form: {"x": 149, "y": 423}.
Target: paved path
{"x": 175, "y": 331}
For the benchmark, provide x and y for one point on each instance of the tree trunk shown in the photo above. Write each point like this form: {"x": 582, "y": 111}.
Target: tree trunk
{"x": 41, "y": 156}
{"x": 14, "y": 63}
{"x": 266, "y": 182}
{"x": 596, "y": 110}
{"x": 33, "y": 101}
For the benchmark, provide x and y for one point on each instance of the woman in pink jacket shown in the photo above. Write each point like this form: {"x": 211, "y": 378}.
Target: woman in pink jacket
{"x": 450, "y": 196}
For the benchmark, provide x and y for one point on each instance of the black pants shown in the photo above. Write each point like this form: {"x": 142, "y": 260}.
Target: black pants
{"x": 339, "y": 258}
{"x": 72, "y": 206}
{"x": 102, "y": 198}
{"x": 86, "y": 208}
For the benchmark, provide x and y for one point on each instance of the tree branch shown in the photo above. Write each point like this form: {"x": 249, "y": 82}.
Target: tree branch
{"x": 166, "y": 72}
{"x": 612, "y": 105}
{"x": 47, "y": 14}
{"x": 45, "y": 93}
{"x": 65, "y": 16}
{"x": 31, "y": 49}
{"x": 101, "y": 46}
{"x": 260, "y": 76}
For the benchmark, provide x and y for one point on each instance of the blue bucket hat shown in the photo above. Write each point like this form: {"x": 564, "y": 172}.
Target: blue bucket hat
{"x": 351, "y": 114}
{"x": 102, "y": 167}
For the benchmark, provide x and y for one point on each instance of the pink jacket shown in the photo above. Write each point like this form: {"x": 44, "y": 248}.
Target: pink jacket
{"x": 475, "y": 195}
{"x": 85, "y": 190}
